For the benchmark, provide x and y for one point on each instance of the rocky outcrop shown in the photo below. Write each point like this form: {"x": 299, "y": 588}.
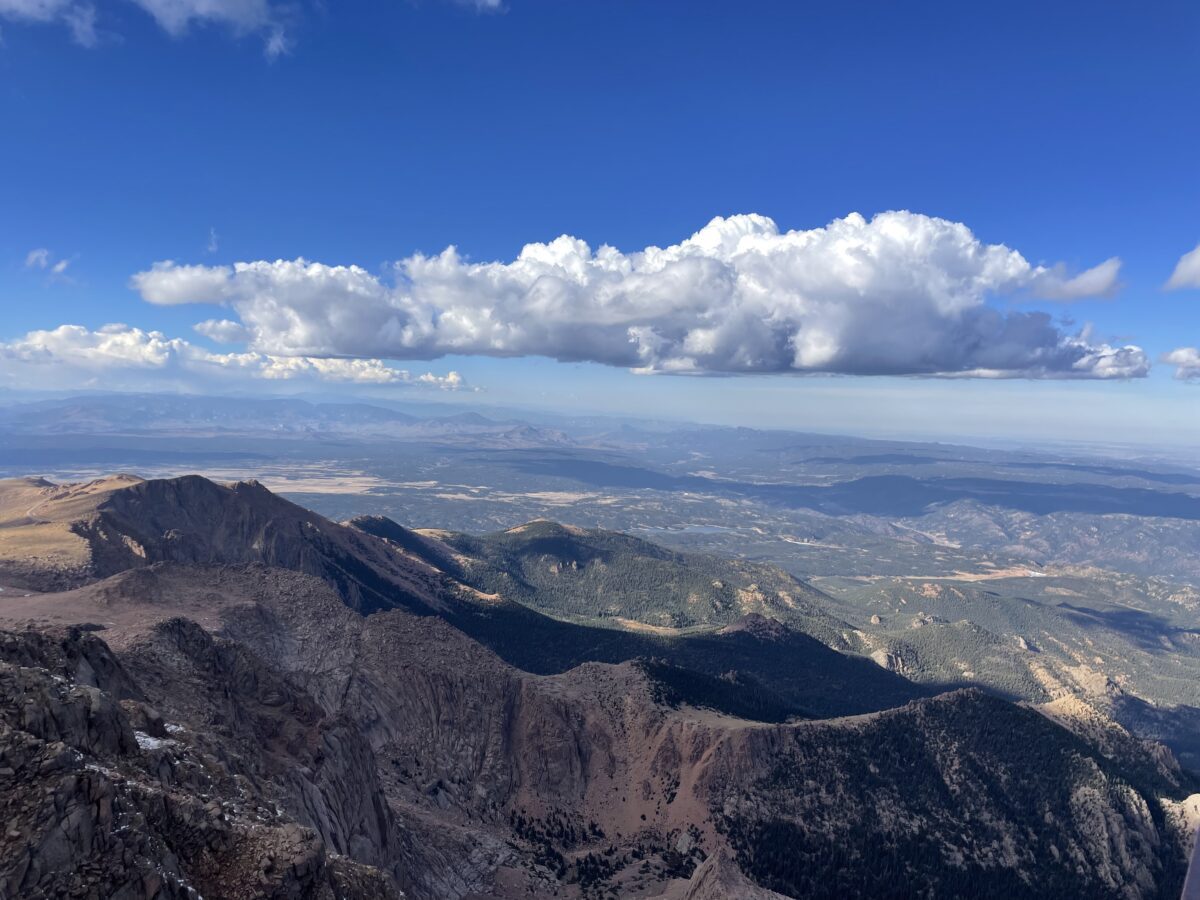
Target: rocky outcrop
{"x": 719, "y": 878}
{"x": 94, "y": 808}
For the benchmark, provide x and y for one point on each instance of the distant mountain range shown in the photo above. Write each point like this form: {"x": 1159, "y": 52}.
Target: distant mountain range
{"x": 179, "y": 415}
{"x": 209, "y": 689}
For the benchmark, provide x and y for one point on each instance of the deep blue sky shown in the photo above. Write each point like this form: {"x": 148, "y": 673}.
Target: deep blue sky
{"x": 1067, "y": 131}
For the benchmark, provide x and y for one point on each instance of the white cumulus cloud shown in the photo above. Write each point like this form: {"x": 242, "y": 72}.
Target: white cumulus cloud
{"x": 1187, "y": 271}
{"x": 121, "y": 355}
{"x": 168, "y": 284}
{"x": 1098, "y": 281}
{"x": 223, "y": 331}
{"x": 899, "y": 294}
{"x": 1186, "y": 361}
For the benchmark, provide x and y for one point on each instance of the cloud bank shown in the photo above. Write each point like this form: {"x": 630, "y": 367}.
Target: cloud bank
{"x": 899, "y": 294}
{"x": 1187, "y": 271}
{"x": 119, "y": 355}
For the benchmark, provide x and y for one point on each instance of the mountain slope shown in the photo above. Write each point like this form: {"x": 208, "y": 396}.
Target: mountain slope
{"x": 500, "y": 781}
{"x": 567, "y": 571}
{"x": 126, "y": 524}
{"x": 403, "y": 750}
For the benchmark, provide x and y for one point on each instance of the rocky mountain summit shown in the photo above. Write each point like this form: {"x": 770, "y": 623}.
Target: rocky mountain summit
{"x": 209, "y": 691}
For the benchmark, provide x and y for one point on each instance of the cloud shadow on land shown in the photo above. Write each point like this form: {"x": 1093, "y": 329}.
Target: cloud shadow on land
{"x": 880, "y": 495}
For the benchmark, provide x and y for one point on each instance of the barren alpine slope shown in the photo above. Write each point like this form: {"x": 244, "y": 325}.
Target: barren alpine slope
{"x": 211, "y": 690}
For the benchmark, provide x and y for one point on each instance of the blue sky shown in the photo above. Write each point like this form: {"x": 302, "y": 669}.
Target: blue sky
{"x": 1066, "y": 132}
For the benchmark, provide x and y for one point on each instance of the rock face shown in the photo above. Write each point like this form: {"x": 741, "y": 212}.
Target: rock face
{"x": 97, "y": 809}
{"x": 236, "y": 727}
{"x": 719, "y": 878}
{"x": 848, "y": 806}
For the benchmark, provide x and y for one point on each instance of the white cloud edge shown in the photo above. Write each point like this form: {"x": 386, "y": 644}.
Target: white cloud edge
{"x": 78, "y": 16}
{"x": 38, "y": 258}
{"x": 42, "y": 259}
{"x": 176, "y": 17}
{"x": 1186, "y": 274}
{"x": 1186, "y": 361}
{"x": 271, "y": 20}
{"x": 74, "y": 354}
{"x": 1187, "y": 271}
{"x": 900, "y": 294}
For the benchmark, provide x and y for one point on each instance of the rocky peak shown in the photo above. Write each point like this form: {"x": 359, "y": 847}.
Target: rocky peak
{"x": 116, "y": 525}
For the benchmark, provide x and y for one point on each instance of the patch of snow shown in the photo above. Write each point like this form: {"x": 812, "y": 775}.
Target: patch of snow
{"x": 147, "y": 742}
